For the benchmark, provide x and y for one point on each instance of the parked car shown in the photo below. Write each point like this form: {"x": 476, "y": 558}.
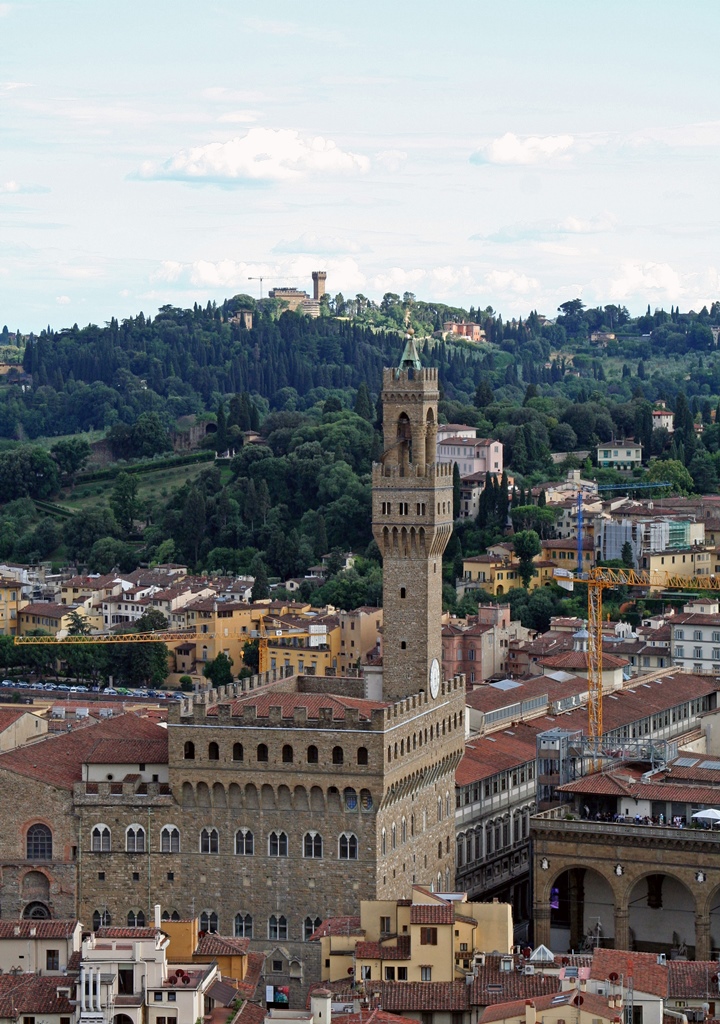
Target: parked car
{"x": 110, "y": 691}
{"x": 50, "y": 686}
{"x": 63, "y": 686}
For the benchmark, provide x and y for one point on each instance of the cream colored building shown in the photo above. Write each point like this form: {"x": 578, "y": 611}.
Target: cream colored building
{"x": 38, "y": 946}
{"x": 431, "y": 937}
{"x": 11, "y": 602}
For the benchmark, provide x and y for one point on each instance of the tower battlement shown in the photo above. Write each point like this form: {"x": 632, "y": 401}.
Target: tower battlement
{"x": 425, "y": 378}
{"x": 391, "y": 476}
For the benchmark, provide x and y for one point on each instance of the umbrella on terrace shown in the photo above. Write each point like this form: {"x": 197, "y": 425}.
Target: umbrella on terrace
{"x": 709, "y": 814}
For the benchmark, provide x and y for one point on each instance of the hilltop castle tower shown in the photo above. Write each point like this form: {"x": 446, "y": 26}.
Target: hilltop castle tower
{"x": 412, "y": 523}
{"x": 319, "y": 277}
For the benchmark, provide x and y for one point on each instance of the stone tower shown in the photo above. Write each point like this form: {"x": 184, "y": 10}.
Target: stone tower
{"x": 412, "y": 523}
{"x": 319, "y": 277}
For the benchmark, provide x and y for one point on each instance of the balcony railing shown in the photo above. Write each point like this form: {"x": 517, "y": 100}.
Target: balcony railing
{"x": 554, "y": 820}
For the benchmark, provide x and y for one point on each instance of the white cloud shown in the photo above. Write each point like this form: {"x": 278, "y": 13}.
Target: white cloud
{"x": 5, "y": 9}
{"x": 233, "y": 275}
{"x": 591, "y": 226}
{"x": 263, "y": 155}
{"x": 391, "y": 160}
{"x": 62, "y": 300}
{"x": 532, "y": 149}
{"x": 542, "y": 230}
{"x": 510, "y": 282}
{"x": 239, "y": 117}
{"x": 14, "y": 188}
{"x": 663, "y": 284}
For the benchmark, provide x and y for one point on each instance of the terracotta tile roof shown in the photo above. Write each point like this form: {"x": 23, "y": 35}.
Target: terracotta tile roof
{"x": 384, "y": 951}
{"x": 375, "y": 1016}
{"x": 338, "y": 926}
{"x": 249, "y": 984}
{"x": 125, "y": 933}
{"x": 313, "y": 702}
{"x": 47, "y": 608}
{"x": 611, "y": 785}
{"x": 495, "y": 986}
{"x": 211, "y": 944}
{"x": 8, "y": 716}
{"x": 592, "y": 1004}
{"x": 130, "y": 751}
{"x": 58, "y": 760}
{"x": 342, "y": 990}
{"x": 648, "y": 975}
{"x": 25, "y": 929}
{"x": 74, "y": 962}
{"x": 251, "y": 1013}
{"x": 397, "y": 996}
{"x": 691, "y": 979}
{"x": 432, "y": 913}
{"x": 222, "y": 992}
{"x": 488, "y": 755}
{"x": 30, "y": 994}
{"x": 578, "y": 661}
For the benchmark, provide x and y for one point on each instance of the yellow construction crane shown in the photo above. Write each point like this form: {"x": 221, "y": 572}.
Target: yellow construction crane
{"x": 597, "y": 580}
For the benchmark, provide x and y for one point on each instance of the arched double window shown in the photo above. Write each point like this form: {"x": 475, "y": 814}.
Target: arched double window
{"x": 277, "y": 927}
{"x": 278, "y": 844}
{"x": 310, "y": 925}
{"x": 209, "y": 841}
{"x": 136, "y": 919}
{"x": 100, "y": 839}
{"x": 244, "y": 842}
{"x": 208, "y": 921}
{"x": 135, "y": 839}
{"x": 39, "y": 843}
{"x": 101, "y": 919}
{"x": 348, "y": 846}
{"x": 243, "y": 926}
{"x": 313, "y": 845}
{"x": 168, "y": 916}
{"x": 170, "y": 839}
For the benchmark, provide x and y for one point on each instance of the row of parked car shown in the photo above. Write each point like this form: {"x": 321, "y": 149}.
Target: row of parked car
{"x": 109, "y": 691}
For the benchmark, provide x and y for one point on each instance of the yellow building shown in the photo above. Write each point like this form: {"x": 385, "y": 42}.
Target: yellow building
{"x": 10, "y": 604}
{"x": 428, "y": 938}
{"x": 51, "y": 618}
{"x": 495, "y": 573}
{"x": 685, "y": 562}
{"x": 187, "y": 945}
{"x": 580, "y": 1008}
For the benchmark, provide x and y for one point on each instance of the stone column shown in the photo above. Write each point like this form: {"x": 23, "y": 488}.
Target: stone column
{"x": 576, "y": 893}
{"x": 622, "y": 926}
{"x": 541, "y": 923}
{"x": 702, "y": 936}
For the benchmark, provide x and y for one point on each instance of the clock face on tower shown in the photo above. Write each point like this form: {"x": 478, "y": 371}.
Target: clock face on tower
{"x": 434, "y": 678}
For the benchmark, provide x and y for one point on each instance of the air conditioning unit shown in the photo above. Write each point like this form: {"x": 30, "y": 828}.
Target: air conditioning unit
{"x": 529, "y": 969}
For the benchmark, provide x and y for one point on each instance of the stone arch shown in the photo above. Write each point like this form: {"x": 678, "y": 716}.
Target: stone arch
{"x": 35, "y": 887}
{"x": 267, "y": 798}
{"x": 661, "y": 911}
{"x": 36, "y": 911}
{"x": 235, "y": 795}
{"x": 252, "y": 801}
{"x": 202, "y": 794}
{"x": 188, "y": 795}
{"x": 284, "y": 799}
{"x": 317, "y": 800}
{"x": 300, "y": 799}
{"x": 219, "y": 798}
{"x": 582, "y": 904}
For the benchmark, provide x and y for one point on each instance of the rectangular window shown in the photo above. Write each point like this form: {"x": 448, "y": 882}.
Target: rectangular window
{"x": 697, "y": 652}
{"x": 426, "y": 974}
{"x": 52, "y": 960}
{"x": 428, "y": 936}
{"x": 384, "y": 925}
{"x": 402, "y": 974}
{"x": 365, "y": 973}
{"x": 389, "y": 974}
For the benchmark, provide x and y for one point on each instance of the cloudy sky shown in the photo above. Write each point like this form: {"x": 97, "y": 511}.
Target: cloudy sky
{"x": 513, "y": 153}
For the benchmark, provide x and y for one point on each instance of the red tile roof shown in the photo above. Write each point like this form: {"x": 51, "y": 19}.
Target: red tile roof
{"x": 376, "y": 1016}
{"x": 25, "y": 929}
{"x": 648, "y": 975}
{"x": 573, "y": 661}
{"x": 488, "y": 755}
{"x": 338, "y": 926}
{"x": 507, "y": 985}
{"x": 33, "y": 995}
{"x": 691, "y": 979}
{"x": 130, "y": 750}
{"x": 591, "y": 1003}
{"x": 397, "y": 996}
{"x": 125, "y": 933}
{"x": 432, "y": 913}
{"x": 384, "y": 951}
{"x": 58, "y": 760}
{"x": 251, "y": 1013}
{"x": 211, "y": 944}
{"x": 255, "y": 964}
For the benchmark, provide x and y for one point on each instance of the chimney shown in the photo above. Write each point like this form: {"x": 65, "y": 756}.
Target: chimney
{"x": 321, "y": 1006}
{"x": 158, "y": 918}
{"x": 530, "y": 1014}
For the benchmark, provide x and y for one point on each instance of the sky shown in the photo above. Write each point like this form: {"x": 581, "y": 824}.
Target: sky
{"x": 513, "y": 154}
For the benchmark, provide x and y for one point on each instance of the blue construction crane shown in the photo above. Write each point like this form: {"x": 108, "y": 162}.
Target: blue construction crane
{"x": 605, "y": 487}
